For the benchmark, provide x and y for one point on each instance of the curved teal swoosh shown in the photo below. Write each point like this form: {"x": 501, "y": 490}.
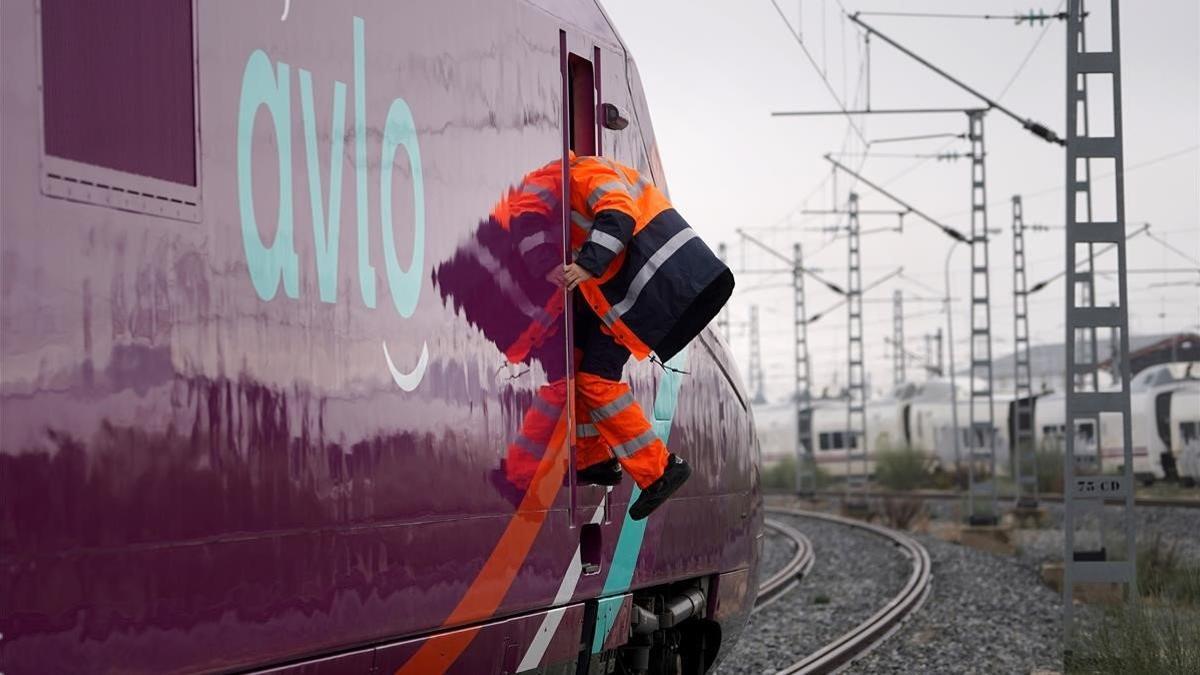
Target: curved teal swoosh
{"x": 629, "y": 542}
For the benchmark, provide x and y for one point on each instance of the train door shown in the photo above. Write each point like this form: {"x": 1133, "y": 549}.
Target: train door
{"x": 580, "y": 63}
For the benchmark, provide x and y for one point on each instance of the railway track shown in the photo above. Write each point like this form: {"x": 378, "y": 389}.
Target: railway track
{"x": 790, "y": 574}
{"x": 947, "y": 495}
{"x": 876, "y": 628}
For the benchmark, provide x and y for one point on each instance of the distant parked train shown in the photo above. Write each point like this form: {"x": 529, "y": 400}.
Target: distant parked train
{"x": 1163, "y": 404}
{"x": 1185, "y": 434}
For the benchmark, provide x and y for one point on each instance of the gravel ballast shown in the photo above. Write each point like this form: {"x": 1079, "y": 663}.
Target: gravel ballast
{"x": 1176, "y": 526}
{"x": 854, "y": 574}
{"x": 985, "y": 614}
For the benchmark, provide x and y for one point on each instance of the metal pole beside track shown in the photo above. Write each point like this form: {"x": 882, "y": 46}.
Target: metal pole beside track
{"x": 1085, "y": 495}
{"x": 806, "y": 467}
{"x": 855, "y": 437}
{"x": 981, "y": 454}
{"x": 1025, "y": 467}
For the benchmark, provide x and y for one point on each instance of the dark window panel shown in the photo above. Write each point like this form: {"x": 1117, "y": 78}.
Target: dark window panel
{"x": 117, "y": 85}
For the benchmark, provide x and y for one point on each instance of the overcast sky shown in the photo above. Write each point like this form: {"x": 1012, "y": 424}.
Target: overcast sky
{"x": 714, "y": 71}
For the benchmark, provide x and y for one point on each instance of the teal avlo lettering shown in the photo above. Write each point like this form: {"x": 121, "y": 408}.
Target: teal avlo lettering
{"x": 267, "y": 85}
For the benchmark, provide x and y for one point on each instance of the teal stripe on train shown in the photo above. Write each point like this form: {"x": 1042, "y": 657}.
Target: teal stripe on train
{"x": 629, "y": 543}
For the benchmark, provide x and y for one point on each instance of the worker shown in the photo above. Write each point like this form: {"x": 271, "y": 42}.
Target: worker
{"x": 647, "y": 284}
{"x": 669, "y": 285}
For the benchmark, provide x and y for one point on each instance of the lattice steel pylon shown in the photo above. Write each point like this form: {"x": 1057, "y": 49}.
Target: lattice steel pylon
{"x": 806, "y": 466}
{"x": 1086, "y": 339}
{"x": 723, "y": 317}
{"x": 941, "y": 364}
{"x": 933, "y": 354}
{"x": 898, "y": 337}
{"x": 982, "y": 450}
{"x": 1024, "y": 450}
{"x": 855, "y": 439}
{"x": 754, "y": 371}
{"x": 1085, "y": 495}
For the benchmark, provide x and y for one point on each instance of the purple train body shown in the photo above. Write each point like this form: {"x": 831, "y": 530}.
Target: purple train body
{"x": 243, "y": 422}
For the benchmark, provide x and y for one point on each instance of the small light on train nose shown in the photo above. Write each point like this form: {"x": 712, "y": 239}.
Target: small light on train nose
{"x": 612, "y": 117}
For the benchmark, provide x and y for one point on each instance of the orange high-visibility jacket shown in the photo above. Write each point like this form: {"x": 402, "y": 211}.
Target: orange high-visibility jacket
{"x": 656, "y": 284}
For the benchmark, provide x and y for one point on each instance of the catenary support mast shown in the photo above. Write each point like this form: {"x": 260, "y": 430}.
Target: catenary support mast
{"x": 754, "y": 371}
{"x": 898, "y": 337}
{"x": 1086, "y": 339}
{"x": 1025, "y": 458}
{"x": 806, "y": 476}
{"x": 981, "y": 490}
{"x": 855, "y": 438}
{"x": 1084, "y": 496}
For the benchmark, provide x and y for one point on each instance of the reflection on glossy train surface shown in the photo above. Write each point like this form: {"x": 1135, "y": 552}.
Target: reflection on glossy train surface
{"x": 277, "y": 387}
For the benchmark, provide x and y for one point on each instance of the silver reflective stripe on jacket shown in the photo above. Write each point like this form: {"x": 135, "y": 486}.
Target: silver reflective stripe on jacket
{"x": 606, "y": 240}
{"x": 547, "y": 197}
{"x": 581, "y": 220}
{"x": 647, "y": 272}
{"x": 635, "y": 189}
{"x": 600, "y": 191}
{"x": 586, "y": 431}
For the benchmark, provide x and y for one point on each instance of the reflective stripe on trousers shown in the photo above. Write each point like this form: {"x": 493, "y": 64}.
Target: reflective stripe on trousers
{"x": 622, "y": 425}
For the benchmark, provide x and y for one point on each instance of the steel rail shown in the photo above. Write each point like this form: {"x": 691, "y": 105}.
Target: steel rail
{"x": 1156, "y": 502}
{"x": 779, "y": 583}
{"x": 883, "y": 623}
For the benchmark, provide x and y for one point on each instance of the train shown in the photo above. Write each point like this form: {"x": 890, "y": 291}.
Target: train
{"x": 919, "y": 415}
{"x": 258, "y": 399}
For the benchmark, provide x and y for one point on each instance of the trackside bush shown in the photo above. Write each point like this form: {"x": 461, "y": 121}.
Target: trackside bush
{"x": 781, "y": 475}
{"x": 902, "y": 469}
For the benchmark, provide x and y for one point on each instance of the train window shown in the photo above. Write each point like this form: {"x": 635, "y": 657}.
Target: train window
{"x": 582, "y": 105}
{"x": 823, "y": 440}
{"x": 118, "y": 104}
{"x": 1086, "y": 431}
{"x": 1190, "y": 431}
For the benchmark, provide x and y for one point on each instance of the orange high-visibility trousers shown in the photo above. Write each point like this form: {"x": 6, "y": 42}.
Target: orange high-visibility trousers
{"x": 525, "y": 453}
{"x": 609, "y": 407}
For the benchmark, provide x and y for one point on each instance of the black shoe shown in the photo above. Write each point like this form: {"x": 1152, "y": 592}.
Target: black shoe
{"x": 675, "y": 475}
{"x": 605, "y": 473}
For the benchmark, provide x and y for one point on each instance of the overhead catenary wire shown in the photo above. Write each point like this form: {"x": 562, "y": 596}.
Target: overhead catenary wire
{"x": 1036, "y": 128}
{"x": 940, "y": 156}
{"x": 1000, "y": 97}
{"x": 919, "y": 137}
{"x": 816, "y": 317}
{"x": 1058, "y": 188}
{"x": 1185, "y": 256}
{"x": 1042, "y": 284}
{"x": 828, "y": 284}
{"x": 811, "y": 60}
{"x": 1030, "y": 17}
{"x": 1028, "y": 55}
{"x": 950, "y": 231}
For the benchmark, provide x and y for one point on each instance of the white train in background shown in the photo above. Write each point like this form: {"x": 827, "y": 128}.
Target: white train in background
{"x": 1185, "y": 434}
{"x": 1164, "y": 402}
